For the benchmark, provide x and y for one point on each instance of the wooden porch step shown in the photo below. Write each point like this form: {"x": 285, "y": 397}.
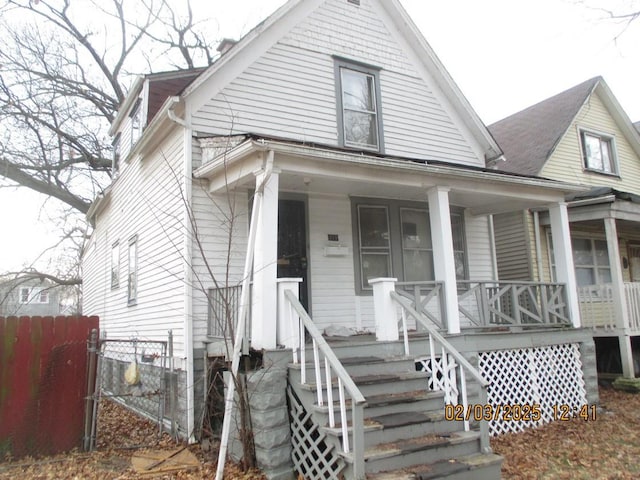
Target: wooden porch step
{"x": 387, "y": 403}
{"x": 376, "y": 384}
{"x": 419, "y": 451}
{"x": 477, "y": 466}
{"x": 363, "y": 365}
{"x": 397, "y": 426}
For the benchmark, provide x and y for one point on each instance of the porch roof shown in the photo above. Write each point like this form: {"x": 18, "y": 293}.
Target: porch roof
{"x": 308, "y": 168}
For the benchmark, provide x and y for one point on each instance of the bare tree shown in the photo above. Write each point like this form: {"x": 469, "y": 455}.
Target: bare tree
{"x": 624, "y": 13}
{"x": 63, "y": 75}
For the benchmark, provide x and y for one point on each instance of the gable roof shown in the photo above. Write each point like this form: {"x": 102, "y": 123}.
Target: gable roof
{"x": 268, "y": 32}
{"x": 637, "y": 125}
{"x": 529, "y": 137}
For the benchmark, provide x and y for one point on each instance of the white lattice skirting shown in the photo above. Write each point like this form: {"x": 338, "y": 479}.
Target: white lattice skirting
{"x": 546, "y": 376}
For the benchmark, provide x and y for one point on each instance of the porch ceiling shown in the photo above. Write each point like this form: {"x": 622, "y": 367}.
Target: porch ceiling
{"x": 305, "y": 169}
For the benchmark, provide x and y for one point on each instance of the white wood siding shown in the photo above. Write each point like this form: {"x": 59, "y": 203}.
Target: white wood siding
{"x": 145, "y": 202}
{"x": 219, "y": 248}
{"x": 479, "y": 256}
{"x": 290, "y": 91}
{"x": 333, "y": 299}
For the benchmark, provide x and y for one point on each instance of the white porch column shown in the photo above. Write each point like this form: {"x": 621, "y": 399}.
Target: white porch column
{"x": 619, "y": 297}
{"x": 386, "y": 314}
{"x": 563, "y": 254}
{"x": 288, "y": 324}
{"x": 443, "y": 258}
{"x": 265, "y": 270}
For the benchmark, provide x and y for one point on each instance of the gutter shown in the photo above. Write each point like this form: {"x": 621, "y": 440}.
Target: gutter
{"x": 242, "y": 150}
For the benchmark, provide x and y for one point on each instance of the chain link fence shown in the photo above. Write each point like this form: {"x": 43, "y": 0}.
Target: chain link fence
{"x": 137, "y": 373}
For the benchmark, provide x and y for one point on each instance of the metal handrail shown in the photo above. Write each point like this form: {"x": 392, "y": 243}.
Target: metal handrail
{"x": 440, "y": 339}
{"x": 462, "y": 362}
{"x": 345, "y": 382}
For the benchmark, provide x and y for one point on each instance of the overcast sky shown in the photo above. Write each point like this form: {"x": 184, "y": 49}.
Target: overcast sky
{"x": 504, "y": 55}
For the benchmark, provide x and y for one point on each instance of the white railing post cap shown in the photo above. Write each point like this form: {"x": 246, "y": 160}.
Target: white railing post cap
{"x": 373, "y": 281}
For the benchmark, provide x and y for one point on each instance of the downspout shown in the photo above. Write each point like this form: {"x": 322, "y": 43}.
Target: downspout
{"x": 537, "y": 241}
{"x": 187, "y": 265}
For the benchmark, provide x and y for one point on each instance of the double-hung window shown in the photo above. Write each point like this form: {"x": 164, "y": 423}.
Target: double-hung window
{"x": 358, "y": 95}
{"x": 393, "y": 239}
{"x": 375, "y": 241}
{"x": 132, "y": 276}
{"x": 598, "y": 152}
{"x": 590, "y": 261}
{"x": 115, "y": 265}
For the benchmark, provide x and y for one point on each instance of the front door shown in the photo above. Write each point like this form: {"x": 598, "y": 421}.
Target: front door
{"x": 634, "y": 262}
{"x": 292, "y": 244}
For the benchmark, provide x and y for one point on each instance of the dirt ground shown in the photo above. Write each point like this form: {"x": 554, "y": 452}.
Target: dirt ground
{"x": 608, "y": 448}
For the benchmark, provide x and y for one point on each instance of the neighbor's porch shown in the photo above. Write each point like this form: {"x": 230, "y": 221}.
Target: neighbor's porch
{"x": 606, "y": 248}
{"x": 364, "y": 216}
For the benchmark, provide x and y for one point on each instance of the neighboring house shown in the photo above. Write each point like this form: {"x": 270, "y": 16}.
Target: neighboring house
{"x": 29, "y": 297}
{"x": 329, "y": 156}
{"x": 583, "y": 136}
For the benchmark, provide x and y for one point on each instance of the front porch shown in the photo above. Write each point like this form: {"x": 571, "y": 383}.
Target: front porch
{"x": 606, "y": 248}
{"x": 357, "y": 218}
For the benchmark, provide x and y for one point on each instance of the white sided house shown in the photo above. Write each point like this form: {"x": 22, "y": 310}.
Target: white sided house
{"x": 326, "y": 175}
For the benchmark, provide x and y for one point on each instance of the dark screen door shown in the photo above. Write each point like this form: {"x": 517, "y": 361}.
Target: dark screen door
{"x": 292, "y": 244}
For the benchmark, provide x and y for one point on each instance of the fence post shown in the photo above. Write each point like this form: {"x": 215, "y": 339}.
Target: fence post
{"x": 384, "y": 309}
{"x": 92, "y": 349}
{"x": 172, "y": 387}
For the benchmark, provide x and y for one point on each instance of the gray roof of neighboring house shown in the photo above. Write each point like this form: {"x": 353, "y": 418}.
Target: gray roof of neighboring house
{"x": 637, "y": 125}
{"x": 528, "y": 137}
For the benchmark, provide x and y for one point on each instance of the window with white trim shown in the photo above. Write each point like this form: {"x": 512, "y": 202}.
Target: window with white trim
{"x": 393, "y": 239}
{"x": 598, "y": 152}
{"x": 358, "y": 98}
{"x": 590, "y": 260}
{"x": 115, "y": 265}
{"x": 132, "y": 275}
{"x": 34, "y": 295}
{"x": 136, "y": 122}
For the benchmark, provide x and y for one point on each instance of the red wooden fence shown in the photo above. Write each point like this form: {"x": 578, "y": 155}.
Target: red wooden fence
{"x": 43, "y": 383}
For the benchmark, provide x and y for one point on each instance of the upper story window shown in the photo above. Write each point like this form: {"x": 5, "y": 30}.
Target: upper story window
{"x": 136, "y": 123}
{"x": 116, "y": 147}
{"x": 34, "y": 295}
{"x": 358, "y": 95}
{"x": 598, "y": 152}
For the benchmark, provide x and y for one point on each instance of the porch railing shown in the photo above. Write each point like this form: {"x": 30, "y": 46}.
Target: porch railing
{"x": 450, "y": 359}
{"x": 490, "y": 304}
{"x": 597, "y": 305}
{"x": 323, "y": 357}
{"x": 224, "y": 305}
{"x": 425, "y": 297}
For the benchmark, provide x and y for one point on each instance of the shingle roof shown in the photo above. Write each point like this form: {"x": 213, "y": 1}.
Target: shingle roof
{"x": 528, "y": 137}
{"x": 167, "y": 84}
{"x": 637, "y": 125}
